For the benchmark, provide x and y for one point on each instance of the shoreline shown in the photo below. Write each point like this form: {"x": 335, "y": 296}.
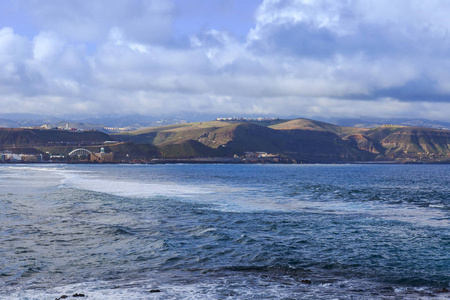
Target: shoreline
{"x": 227, "y": 161}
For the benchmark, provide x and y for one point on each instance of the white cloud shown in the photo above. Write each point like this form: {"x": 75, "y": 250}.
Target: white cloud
{"x": 375, "y": 45}
{"x": 227, "y": 50}
{"x": 13, "y": 47}
{"x": 46, "y": 46}
{"x": 333, "y": 58}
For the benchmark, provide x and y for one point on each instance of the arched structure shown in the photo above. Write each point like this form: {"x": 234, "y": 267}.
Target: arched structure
{"x": 80, "y": 152}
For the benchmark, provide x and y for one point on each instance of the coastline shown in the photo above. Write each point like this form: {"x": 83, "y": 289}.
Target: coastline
{"x": 220, "y": 160}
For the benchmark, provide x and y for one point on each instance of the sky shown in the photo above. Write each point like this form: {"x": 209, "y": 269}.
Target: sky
{"x": 305, "y": 58}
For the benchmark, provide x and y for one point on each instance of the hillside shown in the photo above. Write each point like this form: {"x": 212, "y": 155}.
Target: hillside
{"x": 302, "y": 140}
{"x": 188, "y": 149}
{"x": 377, "y": 122}
{"x": 230, "y": 138}
{"x": 402, "y": 142}
{"x": 171, "y": 134}
{"x": 306, "y": 124}
{"x": 20, "y": 137}
{"x": 131, "y": 151}
{"x": 312, "y": 125}
{"x": 416, "y": 142}
{"x": 305, "y": 140}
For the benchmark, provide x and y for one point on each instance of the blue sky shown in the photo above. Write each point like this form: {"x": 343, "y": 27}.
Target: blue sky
{"x": 303, "y": 58}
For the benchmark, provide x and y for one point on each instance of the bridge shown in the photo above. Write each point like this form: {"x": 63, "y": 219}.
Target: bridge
{"x": 80, "y": 152}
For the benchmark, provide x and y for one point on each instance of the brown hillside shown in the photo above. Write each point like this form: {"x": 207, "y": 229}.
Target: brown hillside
{"x": 425, "y": 142}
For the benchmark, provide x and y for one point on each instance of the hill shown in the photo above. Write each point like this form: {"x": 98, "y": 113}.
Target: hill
{"x": 188, "y": 149}
{"x": 21, "y": 137}
{"x": 171, "y": 134}
{"x": 302, "y": 140}
{"x": 377, "y": 122}
{"x": 230, "y": 138}
{"x": 413, "y": 142}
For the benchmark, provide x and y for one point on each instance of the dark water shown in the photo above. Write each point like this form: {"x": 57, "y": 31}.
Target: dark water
{"x": 225, "y": 231}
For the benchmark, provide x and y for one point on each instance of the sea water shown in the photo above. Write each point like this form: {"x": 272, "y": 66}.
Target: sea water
{"x": 225, "y": 231}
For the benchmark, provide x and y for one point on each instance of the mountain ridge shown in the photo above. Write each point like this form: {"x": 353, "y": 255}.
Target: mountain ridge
{"x": 302, "y": 140}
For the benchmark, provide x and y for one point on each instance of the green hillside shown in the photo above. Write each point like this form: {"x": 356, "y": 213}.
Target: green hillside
{"x": 305, "y": 124}
{"x": 188, "y": 149}
{"x": 132, "y": 151}
{"x": 10, "y": 137}
{"x": 172, "y": 134}
{"x": 312, "y": 125}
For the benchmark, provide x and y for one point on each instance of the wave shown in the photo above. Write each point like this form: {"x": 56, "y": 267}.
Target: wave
{"x": 130, "y": 188}
{"x": 229, "y": 197}
{"x": 234, "y": 284}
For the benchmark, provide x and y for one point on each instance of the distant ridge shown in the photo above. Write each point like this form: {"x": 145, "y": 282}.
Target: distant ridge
{"x": 377, "y": 122}
{"x": 306, "y": 140}
{"x": 301, "y": 140}
{"x": 134, "y": 122}
{"x": 23, "y": 137}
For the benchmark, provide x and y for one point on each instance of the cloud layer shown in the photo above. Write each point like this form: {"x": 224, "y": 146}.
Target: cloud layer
{"x": 297, "y": 57}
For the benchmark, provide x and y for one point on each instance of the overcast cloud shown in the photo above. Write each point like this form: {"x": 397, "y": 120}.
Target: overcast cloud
{"x": 306, "y": 58}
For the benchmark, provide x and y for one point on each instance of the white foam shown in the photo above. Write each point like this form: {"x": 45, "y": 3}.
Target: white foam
{"x": 230, "y": 198}
{"x": 125, "y": 188}
{"x": 28, "y": 178}
{"x": 229, "y": 286}
{"x": 245, "y": 199}
{"x": 92, "y": 291}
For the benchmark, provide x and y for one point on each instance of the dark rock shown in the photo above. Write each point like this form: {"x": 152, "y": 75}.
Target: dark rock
{"x": 62, "y": 297}
{"x": 155, "y": 291}
{"x": 78, "y": 295}
{"x": 306, "y": 281}
{"x": 444, "y": 290}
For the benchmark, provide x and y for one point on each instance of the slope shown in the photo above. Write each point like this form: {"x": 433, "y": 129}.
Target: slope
{"x": 172, "y": 134}
{"x": 312, "y": 125}
{"x": 10, "y": 137}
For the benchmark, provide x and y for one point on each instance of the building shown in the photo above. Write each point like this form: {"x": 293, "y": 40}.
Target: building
{"x": 8, "y": 156}
{"x": 102, "y": 156}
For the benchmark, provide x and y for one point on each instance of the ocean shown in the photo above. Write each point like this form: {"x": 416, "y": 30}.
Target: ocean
{"x": 181, "y": 231}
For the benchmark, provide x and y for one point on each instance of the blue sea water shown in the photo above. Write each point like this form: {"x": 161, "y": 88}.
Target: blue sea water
{"x": 225, "y": 231}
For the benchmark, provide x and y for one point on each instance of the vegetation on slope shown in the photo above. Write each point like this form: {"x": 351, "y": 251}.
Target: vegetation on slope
{"x": 130, "y": 150}
{"x": 172, "y": 134}
{"x": 312, "y": 125}
{"x": 10, "y": 137}
{"x": 187, "y": 149}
